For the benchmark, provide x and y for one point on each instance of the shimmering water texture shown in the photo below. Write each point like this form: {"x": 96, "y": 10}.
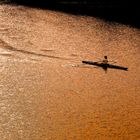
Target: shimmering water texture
{"x": 46, "y": 93}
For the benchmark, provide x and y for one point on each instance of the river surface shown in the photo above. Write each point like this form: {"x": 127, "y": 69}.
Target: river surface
{"x": 46, "y": 93}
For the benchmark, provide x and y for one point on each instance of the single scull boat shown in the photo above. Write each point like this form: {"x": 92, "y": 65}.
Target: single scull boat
{"x": 105, "y": 66}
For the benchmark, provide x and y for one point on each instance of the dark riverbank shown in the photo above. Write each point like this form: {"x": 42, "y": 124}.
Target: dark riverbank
{"x": 115, "y": 11}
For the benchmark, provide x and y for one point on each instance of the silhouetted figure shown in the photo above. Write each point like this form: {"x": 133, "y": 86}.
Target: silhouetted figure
{"x": 105, "y": 60}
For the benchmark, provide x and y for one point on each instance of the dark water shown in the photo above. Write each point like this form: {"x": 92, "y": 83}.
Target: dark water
{"x": 46, "y": 93}
{"x": 125, "y": 12}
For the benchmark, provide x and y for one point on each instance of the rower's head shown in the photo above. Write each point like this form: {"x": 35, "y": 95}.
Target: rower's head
{"x": 105, "y": 57}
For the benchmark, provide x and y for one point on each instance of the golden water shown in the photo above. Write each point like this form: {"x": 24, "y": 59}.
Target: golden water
{"x": 46, "y": 93}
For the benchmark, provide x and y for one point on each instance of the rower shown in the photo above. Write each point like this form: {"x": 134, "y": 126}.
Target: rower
{"x": 105, "y": 60}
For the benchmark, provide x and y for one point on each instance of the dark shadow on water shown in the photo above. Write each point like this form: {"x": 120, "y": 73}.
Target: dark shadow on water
{"x": 4, "y": 54}
{"x": 11, "y": 48}
{"x": 123, "y": 12}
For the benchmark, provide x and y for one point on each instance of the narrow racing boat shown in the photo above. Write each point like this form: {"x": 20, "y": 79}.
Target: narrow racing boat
{"x": 105, "y": 66}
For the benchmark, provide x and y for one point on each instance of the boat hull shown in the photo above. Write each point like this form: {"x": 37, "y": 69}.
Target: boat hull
{"x": 105, "y": 66}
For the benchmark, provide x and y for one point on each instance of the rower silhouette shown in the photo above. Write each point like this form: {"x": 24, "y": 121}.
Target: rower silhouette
{"x": 105, "y": 63}
{"x": 105, "y": 60}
